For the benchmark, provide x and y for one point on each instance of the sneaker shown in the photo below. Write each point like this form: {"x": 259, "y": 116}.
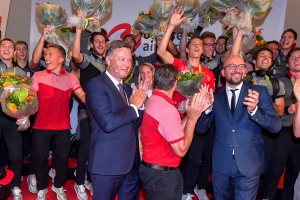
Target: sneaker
{"x": 60, "y": 193}
{"x": 87, "y": 184}
{"x": 31, "y": 180}
{"x": 16, "y": 192}
{"x": 42, "y": 194}
{"x": 187, "y": 196}
{"x": 201, "y": 194}
{"x": 80, "y": 192}
{"x": 52, "y": 175}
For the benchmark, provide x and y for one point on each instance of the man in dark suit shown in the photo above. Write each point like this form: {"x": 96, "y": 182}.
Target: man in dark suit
{"x": 114, "y": 156}
{"x": 240, "y": 112}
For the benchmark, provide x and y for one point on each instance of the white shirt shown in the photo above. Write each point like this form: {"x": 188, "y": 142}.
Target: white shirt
{"x": 116, "y": 83}
{"x": 237, "y": 94}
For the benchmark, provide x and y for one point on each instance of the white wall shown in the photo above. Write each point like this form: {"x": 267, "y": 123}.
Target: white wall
{"x": 4, "y": 9}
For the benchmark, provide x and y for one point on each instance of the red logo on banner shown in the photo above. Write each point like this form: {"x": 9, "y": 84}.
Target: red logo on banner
{"x": 127, "y": 30}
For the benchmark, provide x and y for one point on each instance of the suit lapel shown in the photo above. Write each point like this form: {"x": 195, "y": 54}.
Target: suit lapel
{"x": 224, "y": 100}
{"x": 112, "y": 87}
{"x": 243, "y": 94}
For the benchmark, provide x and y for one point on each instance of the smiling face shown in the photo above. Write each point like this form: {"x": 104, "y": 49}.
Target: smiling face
{"x": 209, "y": 47}
{"x": 21, "y": 51}
{"x": 146, "y": 74}
{"x": 119, "y": 63}
{"x": 53, "y": 59}
{"x": 274, "y": 48}
{"x": 7, "y": 50}
{"x": 131, "y": 42}
{"x": 233, "y": 76}
{"x": 294, "y": 62}
{"x": 287, "y": 40}
{"x": 220, "y": 46}
{"x": 263, "y": 61}
{"x": 195, "y": 48}
{"x": 99, "y": 45}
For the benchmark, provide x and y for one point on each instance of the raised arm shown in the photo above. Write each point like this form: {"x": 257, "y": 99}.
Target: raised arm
{"x": 182, "y": 45}
{"x": 176, "y": 19}
{"x": 38, "y": 50}
{"x": 237, "y": 44}
{"x": 76, "y": 54}
{"x": 297, "y": 114}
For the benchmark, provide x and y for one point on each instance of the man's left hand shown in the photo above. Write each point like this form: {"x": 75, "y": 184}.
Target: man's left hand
{"x": 252, "y": 100}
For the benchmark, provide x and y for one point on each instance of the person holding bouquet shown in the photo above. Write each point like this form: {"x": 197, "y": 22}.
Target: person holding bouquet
{"x": 54, "y": 87}
{"x": 8, "y": 126}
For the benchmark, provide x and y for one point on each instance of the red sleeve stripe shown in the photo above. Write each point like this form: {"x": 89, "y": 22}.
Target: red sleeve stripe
{"x": 77, "y": 88}
{"x": 175, "y": 141}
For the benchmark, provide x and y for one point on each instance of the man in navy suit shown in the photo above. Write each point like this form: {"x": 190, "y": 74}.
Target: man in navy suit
{"x": 240, "y": 111}
{"x": 114, "y": 156}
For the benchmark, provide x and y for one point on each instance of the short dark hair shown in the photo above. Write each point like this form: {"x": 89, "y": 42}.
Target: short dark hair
{"x": 94, "y": 34}
{"x": 129, "y": 35}
{"x": 222, "y": 37}
{"x": 7, "y": 39}
{"x": 292, "y": 31}
{"x": 207, "y": 34}
{"x": 61, "y": 50}
{"x": 165, "y": 77}
{"x": 46, "y": 44}
{"x": 290, "y": 53}
{"x": 21, "y": 42}
{"x": 273, "y": 42}
{"x": 193, "y": 37}
{"x": 116, "y": 44}
{"x": 254, "y": 57}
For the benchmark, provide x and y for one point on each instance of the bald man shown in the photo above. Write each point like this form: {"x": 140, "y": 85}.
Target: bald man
{"x": 240, "y": 112}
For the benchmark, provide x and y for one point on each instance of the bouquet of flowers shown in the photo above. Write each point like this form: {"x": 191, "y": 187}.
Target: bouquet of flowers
{"x": 102, "y": 11}
{"x": 253, "y": 9}
{"x": 11, "y": 78}
{"x": 207, "y": 14}
{"x": 86, "y": 6}
{"x": 19, "y": 101}
{"x": 161, "y": 12}
{"x": 67, "y": 35}
{"x": 53, "y": 15}
{"x": 145, "y": 23}
{"x": 188, "y": 84}
{"x": 191, "y": 9}
{"x": 225, "y": 6}
{"x": 259, "y": 42}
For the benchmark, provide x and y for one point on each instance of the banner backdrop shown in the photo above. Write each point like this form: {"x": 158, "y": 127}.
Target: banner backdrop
{"x": 125, "y": 12}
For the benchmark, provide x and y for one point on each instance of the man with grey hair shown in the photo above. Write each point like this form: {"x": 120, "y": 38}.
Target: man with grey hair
{"x": 114, "y": 116}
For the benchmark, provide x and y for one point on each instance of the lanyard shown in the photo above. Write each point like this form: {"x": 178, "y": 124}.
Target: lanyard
{"x": 254, "y": 80}
{"x": 99, "y": 65}
{"x": 191, "y": 67}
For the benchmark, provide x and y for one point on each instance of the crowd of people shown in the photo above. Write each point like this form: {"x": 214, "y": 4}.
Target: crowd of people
{"x": 242, "y": 125}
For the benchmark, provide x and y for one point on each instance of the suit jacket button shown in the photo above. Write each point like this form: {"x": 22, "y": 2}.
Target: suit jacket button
{"x": 233, "y": 130}
{"x": 231, "y": 145}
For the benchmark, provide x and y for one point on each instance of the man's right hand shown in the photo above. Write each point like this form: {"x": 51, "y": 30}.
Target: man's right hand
{"x": 47, "y": 30}
{"x": 297, "y": 90}
{"x": 292, "y": 108}
{"x": 176, "y": 17}
{"x": 138, "y": 98}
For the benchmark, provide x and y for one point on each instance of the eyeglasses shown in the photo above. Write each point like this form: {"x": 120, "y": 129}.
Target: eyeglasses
{"x": 234, "y": 66}
{"x": 210, "y": 45}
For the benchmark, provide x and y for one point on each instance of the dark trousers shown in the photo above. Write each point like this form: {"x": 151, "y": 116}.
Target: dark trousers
{"x": 13, "y": 140}
{"x": 234, "y": 185}
{"x": 284, "y": 146}
{"x": 269, "y": 139}
{"x": 4, "y": 161}
{"x": 127, "y": 186}
{"x": 43, "y": 139}
{"x": 83, "y": 150}
{"x": 198, "y": 161}
{"x": 161, "y": 185}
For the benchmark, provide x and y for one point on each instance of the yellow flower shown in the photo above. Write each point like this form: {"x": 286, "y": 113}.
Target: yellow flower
{"x": 6, "y": 84}
{"x": 147, "y": 12}
{"x": 12, "y": 107}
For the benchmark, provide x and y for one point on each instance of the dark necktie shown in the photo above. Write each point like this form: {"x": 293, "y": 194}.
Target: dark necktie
{"x": 233, "y": 98}
{"x": 122, "y": 93}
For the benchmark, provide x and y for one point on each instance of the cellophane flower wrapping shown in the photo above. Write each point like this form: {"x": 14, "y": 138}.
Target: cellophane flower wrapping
{"x": 192, "y": 7}
{"x": 207, "y": 14}
{"x": 19, "y": 101}
{"x": 53, "y": 15}
{"x": 253, "y": 9}
{"x": 68, "y": 38}
{"x": 188, "y": 88}
{"x": 248, "y": 43}
{"x": 145, "y": 26}
{"x": 224, "y": 5}
{"x": 161, "y": 12}
{"x": 103, "y": 10}
{"x": 86, "y": 6}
